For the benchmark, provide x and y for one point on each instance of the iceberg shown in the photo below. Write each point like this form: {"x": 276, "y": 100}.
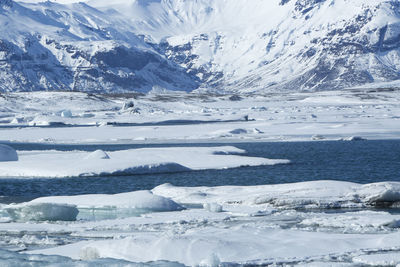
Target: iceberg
{"x": 140, "y": 200}
{"x": 42, "y": 212}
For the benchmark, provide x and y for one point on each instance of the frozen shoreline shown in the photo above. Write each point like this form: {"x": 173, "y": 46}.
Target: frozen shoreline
{"x": 226, "y": 224}
{"x": 293, "y": 117}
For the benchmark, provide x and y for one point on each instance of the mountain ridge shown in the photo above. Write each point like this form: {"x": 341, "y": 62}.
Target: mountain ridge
{"x": 219, "y": 46}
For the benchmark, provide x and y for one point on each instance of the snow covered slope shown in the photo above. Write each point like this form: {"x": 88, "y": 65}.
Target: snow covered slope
{"x": 224, "y": 45}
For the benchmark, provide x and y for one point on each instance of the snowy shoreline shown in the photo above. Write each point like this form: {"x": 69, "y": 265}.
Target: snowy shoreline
{"x": 281, "y": 224}
{"x": 41, "y": 118}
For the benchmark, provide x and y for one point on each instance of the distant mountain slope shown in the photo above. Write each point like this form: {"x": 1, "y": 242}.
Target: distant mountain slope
{"x": 218, "y": 45}
{"x": 49, "y": 46}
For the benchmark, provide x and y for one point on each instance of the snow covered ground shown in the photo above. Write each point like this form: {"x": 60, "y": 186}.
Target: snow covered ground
{"x": 47, "y": 117}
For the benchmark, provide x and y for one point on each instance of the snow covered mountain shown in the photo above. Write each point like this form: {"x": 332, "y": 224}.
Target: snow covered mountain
{"x": 218, "y": 45}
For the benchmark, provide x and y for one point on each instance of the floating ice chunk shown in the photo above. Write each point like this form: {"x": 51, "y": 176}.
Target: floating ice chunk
{"x": 380, "y": 193}
{"x": 42, "y": 212}
{"x": 353, "y": 138}
{"x": 211, "y": 261}
{"x": 102, "y": 124}
{"x": 39, "y": 122}
{"x": 98, "y": 154}
{"x": 89, "y": 253}
{"x": 66, "y": 113}
{"x": 317, "y": 137}
{"x": 59, "y": 208}
{"x": 8, "y": 153}
{"x": 213, "y": 207}
{"x": 142, "y": 201}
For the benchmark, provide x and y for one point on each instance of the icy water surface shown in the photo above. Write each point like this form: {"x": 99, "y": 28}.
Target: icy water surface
{"x": 360, "y": 162}
{"x": 324, "y": 223}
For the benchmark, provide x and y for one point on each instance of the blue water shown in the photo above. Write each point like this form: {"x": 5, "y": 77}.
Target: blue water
{"x": 361, "y": 162}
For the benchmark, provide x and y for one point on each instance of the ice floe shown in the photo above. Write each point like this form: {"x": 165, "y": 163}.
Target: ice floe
{"x": 304, "y": 195}
{"x": 229, "y": 225}
{"x": 66, "y": 113}
{"x": 66, "y": 208}
{"x": 133, "y": 161}
{"x": 42, "y": 212}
